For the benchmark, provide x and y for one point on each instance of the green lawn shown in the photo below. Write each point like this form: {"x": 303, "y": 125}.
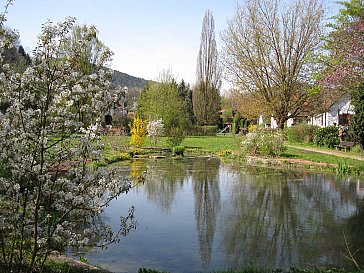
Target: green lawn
{"x": 215, "y": 144}
{"x": 356, "y": 150}
{"x": 320, "y": 157}
{"x": 212, "y": 144}
{"x": 343, "y": 165}
{"x": 209, "y": 144}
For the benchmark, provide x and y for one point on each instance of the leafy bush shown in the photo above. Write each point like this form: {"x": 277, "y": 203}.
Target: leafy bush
{"x": 357, "y": 122}
{"x": 301, "y": 133}
{"x": 196, "y": 130}
{"x": 262, "y": 142}
{"x": 252, "y": 127}
{"x": 179, "y": 150}
{"x": 327, "y": 136}
{"x": 138, "y": 131}
{"x": 225, "y": 153}
{"x": 175, "y": 136}
{"x": 117, "y": 157}
{"x": 135, "y": 151}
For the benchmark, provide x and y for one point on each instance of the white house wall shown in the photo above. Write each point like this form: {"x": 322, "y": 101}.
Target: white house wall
{"x": 331, "y": 118}
{"x": 273, "y": 123}
{"x": 289, "y": 122}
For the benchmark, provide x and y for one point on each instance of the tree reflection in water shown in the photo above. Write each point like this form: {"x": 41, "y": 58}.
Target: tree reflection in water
{"x": 254, "y": 216}
{"x": 356, "y": 234}
{"x": 165, "y": 177}
{"x": 280, "y": 220}
{"x": 206, "y": 192}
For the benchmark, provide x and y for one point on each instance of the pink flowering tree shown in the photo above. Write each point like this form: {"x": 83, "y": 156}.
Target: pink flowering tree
{"x": 345, "y": 62}
{"x": 345, "y": 45}
{"x": 51, "y": 193}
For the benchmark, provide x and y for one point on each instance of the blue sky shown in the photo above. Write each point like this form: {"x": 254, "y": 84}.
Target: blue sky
{"x": 146, "y": 36}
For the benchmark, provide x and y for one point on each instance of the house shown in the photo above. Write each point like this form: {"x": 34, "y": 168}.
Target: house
{"x": 338, "y": 114}
{"x": 119, "y": 107}
{"x": 271, "y": 124}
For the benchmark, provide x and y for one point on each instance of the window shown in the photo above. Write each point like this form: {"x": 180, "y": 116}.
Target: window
{"x": 344, "y": 119}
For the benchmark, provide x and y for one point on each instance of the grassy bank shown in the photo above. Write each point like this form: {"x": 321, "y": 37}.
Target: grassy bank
{"x": 193, "y": 144}
{"x": 334, "y": 163}
{"x": 118, "y": 148}
{"x": 355, "y": 151}
{"x": 276, "y": 270}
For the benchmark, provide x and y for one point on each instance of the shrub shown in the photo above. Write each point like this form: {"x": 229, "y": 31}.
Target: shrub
{"x": 175, "y": 136}
{"x": 196, "y": 130}
{"x": 251, "y": 128}
{"x": 301, "y": 133}
{"x": 265, "y": 143}
{"x": 138, "y": 131}
{"x": 225, "y": 153}
{"x": 179, "y": 150}
{"x": 135, "y": 151}
{"x": 327, "y": 136}
{"x": 357, "y": 122}
{"x": 117, "y": 157}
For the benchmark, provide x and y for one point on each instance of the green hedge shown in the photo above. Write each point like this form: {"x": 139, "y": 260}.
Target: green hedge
{"x": 327, "y": 136}
{"x": 301, "y": 133}
{"x": 196, "y": 130}
{"x": 179, "y": 150}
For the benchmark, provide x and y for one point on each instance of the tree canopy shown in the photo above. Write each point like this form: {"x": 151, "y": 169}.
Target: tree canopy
{"x": 162, "y": 101}
{"x": 51, "y": 195}
{"x": 206, "y": 92}
{"x": 344, "y": 71}
{"x": 268, "y": 52}
{"x": 345, "y": 47}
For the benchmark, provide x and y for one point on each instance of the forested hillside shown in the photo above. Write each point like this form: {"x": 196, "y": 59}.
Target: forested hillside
{"x": 123, "y": 79}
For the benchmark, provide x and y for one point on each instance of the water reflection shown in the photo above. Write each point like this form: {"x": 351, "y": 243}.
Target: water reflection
{"x": 200, "y": 215}
{"x": 164, "y": 179}
{"x": 286, "y": 219}
{"x": 355, "y": 232}
{"x": 206, "y": 192}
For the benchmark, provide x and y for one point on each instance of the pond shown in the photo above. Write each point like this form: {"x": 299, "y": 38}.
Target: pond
{"x": 200, "y": 215}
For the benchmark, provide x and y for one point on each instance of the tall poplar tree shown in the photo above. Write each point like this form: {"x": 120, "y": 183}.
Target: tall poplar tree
{"x": 206, "y": 93}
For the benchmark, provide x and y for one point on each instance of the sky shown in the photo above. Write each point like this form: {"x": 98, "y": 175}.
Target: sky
{"x": 146, "y": 36}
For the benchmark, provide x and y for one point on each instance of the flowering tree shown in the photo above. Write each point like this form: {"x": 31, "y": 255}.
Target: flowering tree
{"x": 51, "y": 195}
{"x": 155, "y": 129}
{"x": 345, "y": 44}
{"x": 345, "y": 62}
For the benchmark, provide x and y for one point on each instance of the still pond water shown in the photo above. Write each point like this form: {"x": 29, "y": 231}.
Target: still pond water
{"x": 197, "y": 215}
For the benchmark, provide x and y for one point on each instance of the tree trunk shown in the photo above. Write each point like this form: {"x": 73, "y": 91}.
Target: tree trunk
{"x": 280, "y": 122}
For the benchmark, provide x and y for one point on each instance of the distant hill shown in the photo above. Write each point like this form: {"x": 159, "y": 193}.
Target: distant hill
{"x": 123, "y": 79}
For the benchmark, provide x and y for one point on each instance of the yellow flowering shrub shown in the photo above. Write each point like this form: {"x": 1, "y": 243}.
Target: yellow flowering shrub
{"x": 138, "y": 131}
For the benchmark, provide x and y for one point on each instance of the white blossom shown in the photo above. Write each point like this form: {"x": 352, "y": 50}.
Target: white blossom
{"x": 155, "y": 129}
{"x": 50, "y": 194}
